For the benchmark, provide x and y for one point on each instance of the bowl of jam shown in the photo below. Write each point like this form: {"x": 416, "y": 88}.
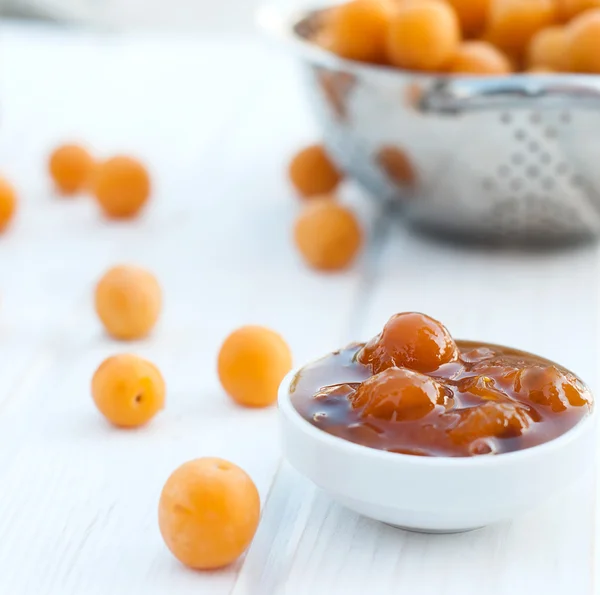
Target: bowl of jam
{"x": 419, "y": 430}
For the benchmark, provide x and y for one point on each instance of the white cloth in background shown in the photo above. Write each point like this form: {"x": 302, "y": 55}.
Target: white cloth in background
{"x": 210, "y": 16}
{"x": 59, "y": 10}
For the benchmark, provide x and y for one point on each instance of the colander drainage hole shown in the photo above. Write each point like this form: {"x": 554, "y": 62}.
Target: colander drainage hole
{"x": 562, "y": 169}
{"x": 517, "y": 159}
{"x": 533, "y": 172}
{"x": 535, "y": 118}
{"x": 516, "y": 185}
{"x": 520, "y": 134}
{"x": 565, "y": 117}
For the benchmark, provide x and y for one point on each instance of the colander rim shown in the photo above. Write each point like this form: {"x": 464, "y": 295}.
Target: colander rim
{"x": 283, "y": 24}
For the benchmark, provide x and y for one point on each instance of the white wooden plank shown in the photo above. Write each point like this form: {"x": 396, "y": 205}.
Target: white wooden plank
{"x": 78, "y": 514}
{"x": 329, "y": 549}
{"x": 58, "y": 87}
{"x": 268, "y": 563}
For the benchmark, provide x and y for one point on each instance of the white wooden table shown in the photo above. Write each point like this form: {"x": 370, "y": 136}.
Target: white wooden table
{"x": 218, "y": 121}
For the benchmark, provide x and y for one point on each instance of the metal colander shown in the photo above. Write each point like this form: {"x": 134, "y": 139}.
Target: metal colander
{"x": 502, "y": 159}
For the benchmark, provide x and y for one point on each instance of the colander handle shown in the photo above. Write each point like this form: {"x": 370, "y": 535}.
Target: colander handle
{"x": 452, "y": 96}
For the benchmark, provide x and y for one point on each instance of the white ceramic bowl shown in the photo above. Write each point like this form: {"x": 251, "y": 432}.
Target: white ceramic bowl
{"x": 434, "y": 494}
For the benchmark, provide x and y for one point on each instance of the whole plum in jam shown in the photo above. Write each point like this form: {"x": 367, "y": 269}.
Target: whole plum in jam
{"x": 410, "y": 340}
{"x": 491, "y": 420}
{"x": 414, "y": 390}
{"x": 397, "y": 394}
{"x": 550, "y": 387}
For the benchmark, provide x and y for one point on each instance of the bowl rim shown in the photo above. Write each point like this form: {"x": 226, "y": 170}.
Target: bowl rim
{"x": 287, "y": 409}
{"x": 281, "y": 24}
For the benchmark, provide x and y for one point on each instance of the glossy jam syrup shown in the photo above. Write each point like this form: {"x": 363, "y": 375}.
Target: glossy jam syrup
{"x": 493, "y": 400}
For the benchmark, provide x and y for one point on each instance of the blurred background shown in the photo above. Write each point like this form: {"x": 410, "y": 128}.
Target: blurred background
{"x": 222, "y": 16}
